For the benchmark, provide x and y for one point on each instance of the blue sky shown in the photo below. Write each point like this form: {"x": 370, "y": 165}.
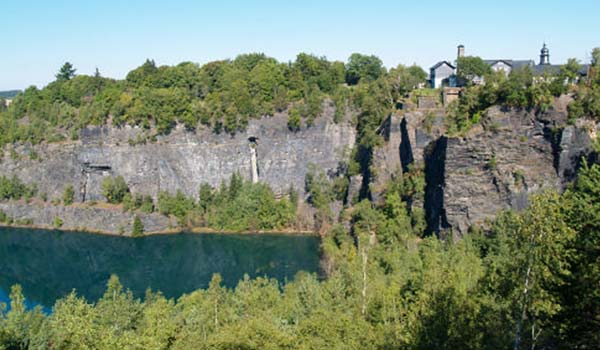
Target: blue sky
{"x": 118, "y": 35}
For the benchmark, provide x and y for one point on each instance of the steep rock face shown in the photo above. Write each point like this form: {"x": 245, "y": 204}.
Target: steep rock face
{"x": 406, "y": 137}
{"x": 510, "y": 155}
{"x": 575, "y": 143}
{"x": 496, "y": 167}
{"x": 182, "y": 160}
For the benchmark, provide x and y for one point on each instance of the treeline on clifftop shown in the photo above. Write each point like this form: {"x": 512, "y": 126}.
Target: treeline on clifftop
{"x": 528, "y": 282}
{"x": 221, "y": 95}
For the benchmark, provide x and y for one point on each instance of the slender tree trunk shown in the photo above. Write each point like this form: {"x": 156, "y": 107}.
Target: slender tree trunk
{"x": 364, "y": 288}
{"x": 517, "y": 342}
{"x": 216, "y": 314}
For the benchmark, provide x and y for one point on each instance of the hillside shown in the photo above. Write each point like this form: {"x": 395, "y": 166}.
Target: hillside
{"x": 9, "y": 94}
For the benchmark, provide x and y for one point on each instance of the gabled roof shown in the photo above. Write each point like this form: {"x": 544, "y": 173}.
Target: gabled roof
{"x": 492, "y": 62}
{"x": 541, "y": 69}
{"x": 516, "y": 64}
{"x": 440, "y": 63}
{"x": 512, "y": 63}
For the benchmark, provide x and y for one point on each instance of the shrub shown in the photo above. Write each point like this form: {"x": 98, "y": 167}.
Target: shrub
{"x": 138, "y": 227}
{"x": 114, "y": 189}
{"x": 68, "y": 194}
{"x": 57, "y": 222}
{"x": 4, "y": 218}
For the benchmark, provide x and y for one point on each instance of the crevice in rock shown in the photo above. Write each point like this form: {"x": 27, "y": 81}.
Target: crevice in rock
{"x": 435, "y": 172}
{"x": 365, "y": 157}
{"x": 554, "y": 136}
{"x": 406, "y": 155}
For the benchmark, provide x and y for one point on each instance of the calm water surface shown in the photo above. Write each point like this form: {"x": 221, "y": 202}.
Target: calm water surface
{"x": 49, "y": 264}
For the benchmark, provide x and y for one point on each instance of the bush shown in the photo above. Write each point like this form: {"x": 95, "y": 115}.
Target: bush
{"x": 57, "y": 222}
{"x": 13, "y": 188}
{"x": 114, "y": 189}
{"x": 68, "y": 194}
{"x": 4, "y": 218}
{"x": 294, "y": 120}
{"x": 178, "y": 205}
{"x": 138, "y": 227}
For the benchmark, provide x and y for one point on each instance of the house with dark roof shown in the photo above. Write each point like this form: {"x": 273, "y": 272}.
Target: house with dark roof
{"x": 442, "y": 68}
{"x": 441, "y": 74}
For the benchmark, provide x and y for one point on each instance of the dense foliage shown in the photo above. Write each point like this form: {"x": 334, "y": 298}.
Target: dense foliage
{"x": 14, "y": 188}
{"x": 529, "y": 282}
{"x": 238, "y": 206}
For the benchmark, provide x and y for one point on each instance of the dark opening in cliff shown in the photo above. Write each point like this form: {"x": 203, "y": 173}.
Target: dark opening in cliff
{"x": 406, "y": 155}
{"x": 435, "y": 172}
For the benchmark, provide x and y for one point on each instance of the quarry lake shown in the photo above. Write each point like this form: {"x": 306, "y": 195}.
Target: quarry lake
{"x": 49, "y": 264}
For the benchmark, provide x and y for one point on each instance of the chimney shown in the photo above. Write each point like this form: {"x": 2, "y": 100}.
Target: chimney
{"x": 461, "y": 51}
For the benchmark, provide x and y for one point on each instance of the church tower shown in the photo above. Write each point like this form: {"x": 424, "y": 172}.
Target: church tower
{"x": 544, "y": 55}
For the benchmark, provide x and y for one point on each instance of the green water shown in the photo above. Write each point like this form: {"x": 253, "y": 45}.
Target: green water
{"x": 49, "y": 264}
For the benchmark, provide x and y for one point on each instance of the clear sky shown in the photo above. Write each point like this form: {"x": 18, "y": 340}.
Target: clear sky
{"x": 118, "y": 35}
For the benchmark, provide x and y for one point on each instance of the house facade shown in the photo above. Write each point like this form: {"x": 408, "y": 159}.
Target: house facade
{"x": 442, "y": 74}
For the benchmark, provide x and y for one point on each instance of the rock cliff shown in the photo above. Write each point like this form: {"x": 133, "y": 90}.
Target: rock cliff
{"x": 266, "y": 151}
{"x": 510, "y": 155}
{"x": 182, "y": 160}
{"x": 496, "y": 165}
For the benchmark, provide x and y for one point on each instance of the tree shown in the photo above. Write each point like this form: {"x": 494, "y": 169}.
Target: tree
{"x": 205, "y": 196}
{"x": 66, "y": 72}
{"x": 405, "y": 79}
{"x": 114, "y": 189}
{"x": 363, "y": 68}
{"x": 68, "y": 195}
{"x": 578, "y": 321}
{"x": 468, "y": 68}
{"x": 570, "y": 71}
{"x": 138, "y": 227}
{"x": 595, "y": 61}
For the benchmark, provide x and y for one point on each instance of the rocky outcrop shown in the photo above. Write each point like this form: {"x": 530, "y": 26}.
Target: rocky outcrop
{"x": 82, "y": 217}
{"x": 496, "y": 166}
{"x": 182, "y": 160}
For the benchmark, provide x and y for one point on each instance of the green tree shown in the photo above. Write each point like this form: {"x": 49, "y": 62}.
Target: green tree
{"x": 294, "y": 119}
{"x": 363, "y": 68}
{"x": 405, "y": 79}
{"x": 66, "y": 72}
{"x": 138, "y": 227}
{"x": 68, "y": 195}
{"x": 205, "y": 197}
{"x": 579, "y": 314}
{"x": 468, "y": 68}
{"x": 57, "y": 222}
{"x": 114, "y": 189}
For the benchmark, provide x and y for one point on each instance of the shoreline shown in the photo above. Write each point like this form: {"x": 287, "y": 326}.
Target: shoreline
{"x": 173, "y": 231}
{"x": 111, "y": 221}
